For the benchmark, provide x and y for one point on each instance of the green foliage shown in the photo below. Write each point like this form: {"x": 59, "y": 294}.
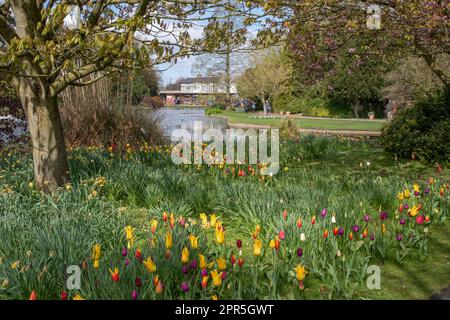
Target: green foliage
{"x": 421, "y": 131}
{"x": 213, "y": 110}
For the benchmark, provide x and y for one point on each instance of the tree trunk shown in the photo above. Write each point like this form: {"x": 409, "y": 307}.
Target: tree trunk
{"x": 228, "y": 73}
{"x": 51, "y": 169}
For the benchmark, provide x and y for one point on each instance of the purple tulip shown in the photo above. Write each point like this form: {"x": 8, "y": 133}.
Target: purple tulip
{"x": 224, "y": 275}
{"x": 124, "y": 252}
{"x": 416, "y": 193}
{"x": 341, "y": 231}
{"x": 372, "y": 237}
{"x": 427, "y": 191}
{"x": 324, "y": 212}
{"x": 185, "y": 287}
{"x": 127, "y": 262}
{"x": 405, "y": 206}
{"x": 402, "y": 221}
{"x": 399, "y": 237}
{"x": 193, "y": 264}
{"x": 355, "y": 228}
{"x": 185, "y": 269}
{"x": 204, "y": 272}
{"x": 299, "y": 252}
{"x": 366, "y": 218}
{"x": 383, "y": 215}
{"x": 134, "y": 295}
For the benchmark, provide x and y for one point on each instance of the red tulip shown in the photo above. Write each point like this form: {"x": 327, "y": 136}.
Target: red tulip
{"x": 33, "y": 295}
{"x": 64, "y": 295}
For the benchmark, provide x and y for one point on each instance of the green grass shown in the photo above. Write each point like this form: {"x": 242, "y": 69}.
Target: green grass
{"x": 348, "y": 176}
{"x": 307, "y": 123}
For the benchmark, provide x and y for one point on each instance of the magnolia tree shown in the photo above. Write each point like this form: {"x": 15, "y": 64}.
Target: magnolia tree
{"x": 43, "y": 51}
{"x": 319, "y": 31}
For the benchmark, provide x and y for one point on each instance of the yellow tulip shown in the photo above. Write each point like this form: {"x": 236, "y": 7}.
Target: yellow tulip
{"x": 214, "y": 297}
{"x": 407, "y": 193}
{"x": 272, "y": 244}
{"x": 204, "y": 219}
{"x": 220, "y": 235}
{"x": 96, "y": 251}
{"x": 78, "y": 297}
{"x": 257, "y": 247}
{"x": 213, "y": 219}
{"x": 217, "y": 278}
{"x": 401, "y": 196}
{"x": 168, "y": 240}
{"x": 300, "y": 272}
{"x": 154, "y": 225}
{"x": 221, "y": 263}
{"x": 150, "y": 265}
{"x": 194, "y": 241}
{"x": 414, "y": 211}
{"x": 416, "y": 188}
{"x": 129, "y": 230}
{"x": 185, "y": 255}
{"x": 202, "y": 261}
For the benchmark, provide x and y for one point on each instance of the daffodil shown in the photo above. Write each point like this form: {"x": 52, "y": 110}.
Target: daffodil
{"x": 150, "y": 265}
{"x": 185, "y": 255}
{"x": 257, "y": 247}
{"x": 194, "y": 241}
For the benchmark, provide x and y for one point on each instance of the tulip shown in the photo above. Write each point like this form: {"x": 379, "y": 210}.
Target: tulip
{"x": 64, "y": 295}
{"x": 406, "y": 206}
{"x": 213, "y": 219}
{"x": 217, "y": 278}
{"x": 366, "y": 218}
{"x": 325, "y": 234}
{"x": 77, "y": 297}
{"x": 96, "y": 252}
{"x": 204, "y": 220}
{"x": 127, "y": 262}
{"x": 164, "y": 216}
{"x": 184, "y": 269}
{"x": 281, "y": 235}
{"x": 124, "y": 252}
{"x": 33, "y": 295}
{"x": 341, "y": 231}
{"x": 150, "y": 265}
{"x": 299, "y": 223}
{"x": 114, "y": 275}
{"x": 221, "y": 263}
{"x": 202, "y": 261}
{"x": 134, "y": 295}
{"x": 427, "y": 219}
{"x": 220, "y": 235}
{"x": 335, "y": 231}
{"x": 233, "y": 260}
{"x": 214, "y": 297}
{"x": 285, "y": 215}
{"x": 407, "y": 193}
{"x": 414, "y": 211}
{"x": 185, "y": 287}
{"x": 204, "y": 272}
{"x": 129, "y": 230}
{"x": 204, "y": 281}
{"x": 193, "y": 264}
{"x": 299, "y": 252}
{"x": 154, "y": 225}
{"x": 324, "y": 212}
{"x": 194, "y": 241}
{"x": 383, "y": 228}
{"x": 333, "y": 219}
{"x": 383, "y": 215}
{"x": 185, "y": 255}
{"x": 239, "y": 244}
{"x": 138, "y": 254}
{"x": 168, "y": 240}
{"x": 350, "y": 236}
{"x": 355, "y": 228}
{"x": 372, "y": 237}
{"x": 138, "y": 282}
{"x": 257, "y": 247}
{"x": 155, "y": 280}
{"x": 313, "y": 220}
{"x": 159, "y": 287}
{"x": 223, "y": 275}
{"x": 364, "y": 234}
{"x": 399, "y": 237}
{"x": 300, "y": 274}
{"x": 302, "y": 237}
{"x": 402, "y": 221}
{"x": 240, "y": 262}
{"x": 172, "y": 221}
{"x": 420, "y": 219}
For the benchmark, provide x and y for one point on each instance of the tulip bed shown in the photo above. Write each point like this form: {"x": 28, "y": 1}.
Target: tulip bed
{"x": 140, "y": 227}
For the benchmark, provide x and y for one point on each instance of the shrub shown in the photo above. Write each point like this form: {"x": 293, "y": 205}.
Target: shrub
{"x": 421, "y": 131}
{"x": 218, "y": 105}
{"x": 153, "y": 102}
{"x": 212, "y": 111}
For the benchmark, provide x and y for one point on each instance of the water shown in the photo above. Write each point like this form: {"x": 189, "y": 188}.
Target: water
{"x": 173, "y": 118}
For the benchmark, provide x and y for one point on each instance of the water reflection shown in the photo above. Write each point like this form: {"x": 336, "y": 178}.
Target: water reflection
{"x": 176, "y": 118}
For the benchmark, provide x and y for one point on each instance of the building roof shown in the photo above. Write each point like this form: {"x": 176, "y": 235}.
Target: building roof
{"x": 200, "y": 80}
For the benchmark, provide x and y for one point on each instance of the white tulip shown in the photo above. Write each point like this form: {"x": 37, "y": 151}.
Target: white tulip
{"x": 302, "y": 237}
{"x": 333, "y": 219}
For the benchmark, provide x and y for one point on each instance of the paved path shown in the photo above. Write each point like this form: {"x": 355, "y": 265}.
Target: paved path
{"x": 311, "y": 131}
{"x": 443, "y": 295}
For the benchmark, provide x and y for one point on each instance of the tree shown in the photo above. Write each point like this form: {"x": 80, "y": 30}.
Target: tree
{"x": 267, "y": 75}
{"x": 41, "y": 55}
{"x": 317, "y": 30}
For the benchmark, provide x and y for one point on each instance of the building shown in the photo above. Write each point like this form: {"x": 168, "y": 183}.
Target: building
{"x": 196, "y": 91}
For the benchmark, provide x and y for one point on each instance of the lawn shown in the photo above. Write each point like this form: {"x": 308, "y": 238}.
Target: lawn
{"x": 307, "y": 123}
{"x": 353, "y": 179}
